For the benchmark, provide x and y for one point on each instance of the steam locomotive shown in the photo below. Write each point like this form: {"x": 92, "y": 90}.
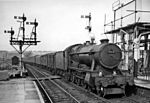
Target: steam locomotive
{"x": 94, "y": 67}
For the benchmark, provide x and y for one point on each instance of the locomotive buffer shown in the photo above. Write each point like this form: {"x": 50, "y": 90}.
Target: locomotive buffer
{"x": 24, "y": 40}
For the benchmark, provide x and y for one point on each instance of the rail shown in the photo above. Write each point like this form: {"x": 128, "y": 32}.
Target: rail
{"x": 56, "y": 85}
{"x": 41, "y": 86}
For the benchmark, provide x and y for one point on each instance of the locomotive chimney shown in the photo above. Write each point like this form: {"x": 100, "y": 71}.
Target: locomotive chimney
{"x": 87, "y": 43}
{"x": 104, "y": 41}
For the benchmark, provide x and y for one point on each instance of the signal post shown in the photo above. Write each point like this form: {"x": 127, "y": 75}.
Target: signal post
{"x": 24, "y": 40}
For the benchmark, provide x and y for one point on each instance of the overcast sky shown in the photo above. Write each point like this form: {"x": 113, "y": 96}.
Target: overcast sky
{"x": 60, "y": 22}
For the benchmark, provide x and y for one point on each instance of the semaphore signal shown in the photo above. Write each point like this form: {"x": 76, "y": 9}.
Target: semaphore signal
{"x": 24, "y": 40}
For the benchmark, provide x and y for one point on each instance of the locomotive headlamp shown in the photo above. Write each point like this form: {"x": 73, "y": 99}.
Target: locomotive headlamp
{"x": 114, "y": 73}
{"x": 100, "y": 74}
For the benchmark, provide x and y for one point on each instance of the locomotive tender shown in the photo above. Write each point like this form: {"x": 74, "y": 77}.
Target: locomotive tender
{"x": 94, "y": 67}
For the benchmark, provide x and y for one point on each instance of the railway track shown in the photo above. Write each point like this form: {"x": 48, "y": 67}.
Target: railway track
{"x": 79, "y": 95}
{"x": 124, "y": 99}
{"x": 45, "y": 94}
{"x": 55, "y": 93}
{"x": 82, "y": 95}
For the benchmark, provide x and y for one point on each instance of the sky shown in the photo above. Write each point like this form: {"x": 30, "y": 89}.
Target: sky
{"x": 59, "y": 21}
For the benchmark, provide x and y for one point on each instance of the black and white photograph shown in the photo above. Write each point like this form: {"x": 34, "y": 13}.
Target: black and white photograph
{"x": 75, "y": 51}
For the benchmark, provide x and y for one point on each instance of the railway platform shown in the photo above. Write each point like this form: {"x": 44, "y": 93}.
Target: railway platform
{"x": 143, "y": 86}
{"x": 20, "y": 91}
{"x": 142, "y": 81}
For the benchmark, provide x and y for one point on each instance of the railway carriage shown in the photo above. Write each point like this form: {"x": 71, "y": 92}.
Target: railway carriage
{"x": 44, "y": 60}
{"x": 37, "y": 60}
{"x": 51, "y": 62}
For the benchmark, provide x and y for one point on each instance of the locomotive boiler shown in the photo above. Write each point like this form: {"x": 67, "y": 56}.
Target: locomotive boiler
{"x": 106, "y": 54}
{"x": 99, "y": 65}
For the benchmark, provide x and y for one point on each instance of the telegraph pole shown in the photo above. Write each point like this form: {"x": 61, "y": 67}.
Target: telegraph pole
{"x": 89, "y": 27}
{"x": 24, "y": 40}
